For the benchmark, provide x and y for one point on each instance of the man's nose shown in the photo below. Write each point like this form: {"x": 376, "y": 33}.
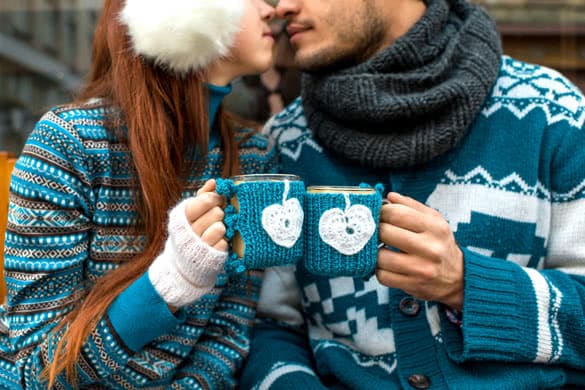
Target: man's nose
{"x": 286, "y": 9}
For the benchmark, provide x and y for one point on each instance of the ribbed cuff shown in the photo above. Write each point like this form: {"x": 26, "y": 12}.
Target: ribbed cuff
{"x": 198, "y": 262}
{"x": 172, "y": 285}
{"x": 290, "y": 377}
{"x": 187, "y": 268}
{"x": 499, "y": 307}
{"x": 139, "y": 315}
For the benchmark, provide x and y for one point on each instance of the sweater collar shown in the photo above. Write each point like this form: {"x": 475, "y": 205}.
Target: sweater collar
{"x": 216, "y": 95}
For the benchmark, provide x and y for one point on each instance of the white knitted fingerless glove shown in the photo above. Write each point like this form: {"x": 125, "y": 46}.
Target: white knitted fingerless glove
{"x": 188, "y": 267}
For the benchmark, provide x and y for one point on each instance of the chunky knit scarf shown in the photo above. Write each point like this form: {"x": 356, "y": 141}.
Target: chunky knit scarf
{"x": 417, "y": 98}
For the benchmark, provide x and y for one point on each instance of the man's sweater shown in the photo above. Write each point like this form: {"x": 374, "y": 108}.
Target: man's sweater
{"x": 513, "y": 192}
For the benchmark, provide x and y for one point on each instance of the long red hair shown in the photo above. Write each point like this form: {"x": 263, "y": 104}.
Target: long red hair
{"x": 162, "y": 112}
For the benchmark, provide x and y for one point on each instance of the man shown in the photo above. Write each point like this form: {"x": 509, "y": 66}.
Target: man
{"x": 483, "y": 282}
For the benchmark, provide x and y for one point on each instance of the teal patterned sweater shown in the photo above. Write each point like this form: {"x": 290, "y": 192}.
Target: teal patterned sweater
{"x": 513, "y": 193}
{"x": 70, "y": 218}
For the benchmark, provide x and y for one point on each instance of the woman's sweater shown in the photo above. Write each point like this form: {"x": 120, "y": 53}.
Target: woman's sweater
{"x": 70, "y": 222}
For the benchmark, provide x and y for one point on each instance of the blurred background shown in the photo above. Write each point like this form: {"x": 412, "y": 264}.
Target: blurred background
{"x": 45, "y": 49}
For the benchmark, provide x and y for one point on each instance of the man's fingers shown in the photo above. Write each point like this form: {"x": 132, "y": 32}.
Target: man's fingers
{"x": 408, "y": 265}
{"x": 401, "y": 239}
{"x": 404, "y": 217}
{"x": 392, "y": 261}
{"x": 394, "y": 280}
{"x": 395, "y": 197}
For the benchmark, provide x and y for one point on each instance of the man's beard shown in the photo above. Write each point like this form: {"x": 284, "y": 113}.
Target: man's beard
{"x": 368, "y": 41}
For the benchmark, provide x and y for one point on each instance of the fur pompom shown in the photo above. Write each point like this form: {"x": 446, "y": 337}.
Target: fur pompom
{"x": 182, "y": 35}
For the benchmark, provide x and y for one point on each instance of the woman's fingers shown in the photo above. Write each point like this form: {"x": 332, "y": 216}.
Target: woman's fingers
{"x": 201, "y": 204}
{"x": 222, "y": 245}
{"x": 205, "y": 214}
{"x": 203, "y": 223}
{"x": 209, "y": 186}
{"x": 214, "y": 234}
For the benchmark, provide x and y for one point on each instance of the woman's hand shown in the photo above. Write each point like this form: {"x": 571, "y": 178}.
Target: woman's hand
{"x": 195, "y": 251}
{"x": 205, "y": 214}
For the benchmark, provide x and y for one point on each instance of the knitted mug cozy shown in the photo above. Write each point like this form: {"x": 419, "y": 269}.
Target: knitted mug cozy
{"x": 264, "y": 222}
{"x": 341, "y": 230}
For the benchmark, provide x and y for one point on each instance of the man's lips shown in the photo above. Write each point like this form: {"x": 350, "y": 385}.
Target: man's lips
{"x": 295, "y": 29}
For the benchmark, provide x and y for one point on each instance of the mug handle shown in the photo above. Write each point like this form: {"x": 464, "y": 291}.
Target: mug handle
{"x": 381, "y": 244}
{"x": 227, "y": 189}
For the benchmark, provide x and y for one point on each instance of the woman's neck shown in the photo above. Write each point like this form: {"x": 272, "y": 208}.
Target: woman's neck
{"x": 221, "y": 74}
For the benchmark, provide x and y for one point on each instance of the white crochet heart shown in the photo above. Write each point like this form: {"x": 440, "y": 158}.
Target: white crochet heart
{"x": 284, "y": 222}
{"x": 348, "y": 231}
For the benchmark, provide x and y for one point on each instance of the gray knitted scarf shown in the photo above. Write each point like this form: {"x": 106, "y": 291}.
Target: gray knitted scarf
{"x": 417, "y": 98}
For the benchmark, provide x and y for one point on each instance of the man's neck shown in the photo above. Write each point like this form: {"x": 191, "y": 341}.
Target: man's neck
{"x": 402, "y": 16}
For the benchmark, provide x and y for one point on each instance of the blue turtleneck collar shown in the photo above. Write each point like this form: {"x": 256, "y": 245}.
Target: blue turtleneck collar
{"x": 216, "y": 95}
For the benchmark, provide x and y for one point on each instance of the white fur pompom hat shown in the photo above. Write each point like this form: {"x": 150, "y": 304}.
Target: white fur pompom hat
{"x": 182, "y": 35}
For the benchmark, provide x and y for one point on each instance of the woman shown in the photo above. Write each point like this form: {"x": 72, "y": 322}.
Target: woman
{"x": 106, "y": 287}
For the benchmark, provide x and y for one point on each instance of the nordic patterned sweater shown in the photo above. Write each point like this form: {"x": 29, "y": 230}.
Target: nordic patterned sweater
{"x": 70, "y": 219}
{"x": 513, "y": 193}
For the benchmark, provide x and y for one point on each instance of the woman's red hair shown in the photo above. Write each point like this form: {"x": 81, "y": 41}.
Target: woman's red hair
{"x": 162, "y": 112}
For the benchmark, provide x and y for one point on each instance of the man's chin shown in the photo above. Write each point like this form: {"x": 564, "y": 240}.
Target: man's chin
{"x": 310, "y": 62}
{"x": 321, "y": 64}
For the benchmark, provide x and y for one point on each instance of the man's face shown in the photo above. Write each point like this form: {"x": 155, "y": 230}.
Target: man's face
{"x": 333, "y": 33}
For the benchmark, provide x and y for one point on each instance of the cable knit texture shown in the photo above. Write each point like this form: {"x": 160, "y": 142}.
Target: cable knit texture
{"x": 188, "y": 267}
{"x": 416, "y": 99}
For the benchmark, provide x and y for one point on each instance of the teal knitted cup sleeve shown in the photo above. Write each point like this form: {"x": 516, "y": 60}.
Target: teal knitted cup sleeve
{"x": 380, "y": 189}
{"x": 341, "y": 233}
{"x": 270, "y": 222}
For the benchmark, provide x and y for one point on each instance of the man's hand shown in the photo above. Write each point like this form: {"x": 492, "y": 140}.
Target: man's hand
{"x": 428, "y": 263}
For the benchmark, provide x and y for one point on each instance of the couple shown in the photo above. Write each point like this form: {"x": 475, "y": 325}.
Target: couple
{"x": 115, "y": 243}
